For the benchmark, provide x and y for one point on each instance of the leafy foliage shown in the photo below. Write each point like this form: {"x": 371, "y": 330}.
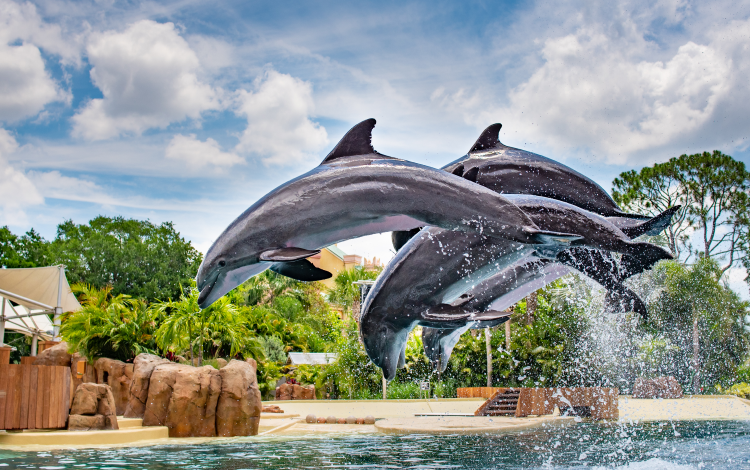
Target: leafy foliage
{"x": 114, "y": 326}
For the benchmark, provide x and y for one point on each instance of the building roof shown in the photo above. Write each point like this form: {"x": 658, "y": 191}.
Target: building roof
{"x": 312, "y": 358}
{"x": 336, "y": 251}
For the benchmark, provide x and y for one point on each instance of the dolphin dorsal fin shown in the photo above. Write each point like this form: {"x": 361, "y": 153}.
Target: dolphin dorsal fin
{"x": 355, "y": 142}
{"x": 488, "y": 139}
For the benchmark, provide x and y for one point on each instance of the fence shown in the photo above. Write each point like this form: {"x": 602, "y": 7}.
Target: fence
{"x": 34, "y": 397}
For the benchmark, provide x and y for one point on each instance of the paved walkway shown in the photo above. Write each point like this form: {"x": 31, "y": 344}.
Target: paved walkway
{"x": 704, "y": 407}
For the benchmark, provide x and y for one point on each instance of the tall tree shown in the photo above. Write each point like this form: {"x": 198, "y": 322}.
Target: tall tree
{"x": 717, "y": 186}
{"x": 25, "y": 251}
{"x": 135, "y": 257}
{"x": 653, "y": 190}
{"x": 712, "y": 189}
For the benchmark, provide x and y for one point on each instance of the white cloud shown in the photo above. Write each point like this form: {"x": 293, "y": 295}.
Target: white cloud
{"x": 17, "y": 192}
{"x": 25, "y": 85}
{"x": 610, "y": 94}
{"x": 279, "y": 127}
{"x": 147, "y": 75}
{"x": 196, "y": 154}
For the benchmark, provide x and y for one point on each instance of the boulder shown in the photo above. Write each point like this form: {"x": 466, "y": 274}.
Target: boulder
{"x": 93, "y": 408}
{"x": 184, "y": 399}
{"x": 57, "y": 355}
{"x": 295, "y": 392}
{"x": 221, "y": 362}
{"x": 143, "y": 366}
{"x": 85, "y": 400}
{"x": 238, "y": 410}
{"x": 117, "y": 375}
{"x": 661, "y": 387}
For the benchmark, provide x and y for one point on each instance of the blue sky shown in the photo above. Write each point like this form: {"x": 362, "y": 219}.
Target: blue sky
{"x": 189, "y": 111}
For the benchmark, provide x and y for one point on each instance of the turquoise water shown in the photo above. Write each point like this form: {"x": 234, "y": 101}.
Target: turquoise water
{"x": 663, "y": 446}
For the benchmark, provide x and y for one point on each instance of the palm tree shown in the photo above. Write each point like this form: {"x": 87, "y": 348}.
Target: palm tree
{"x": 346, "y": 293}
{"x": 184, "y": 325}
{"x": 118, "y": 327}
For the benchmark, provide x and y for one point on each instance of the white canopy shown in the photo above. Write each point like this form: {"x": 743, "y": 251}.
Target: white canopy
{"x": 29, "y": 322}
{"x": 37, "y": 288}
{"x": 38, "y": 293}
{"x": 297, "y": 358}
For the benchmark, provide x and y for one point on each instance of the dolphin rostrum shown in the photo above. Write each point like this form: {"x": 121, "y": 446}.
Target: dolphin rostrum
{"x": 426, "y": 280}
{"x": 355, "y": 192}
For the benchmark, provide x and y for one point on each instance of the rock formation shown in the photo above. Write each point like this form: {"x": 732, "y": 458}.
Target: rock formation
{"x": 239, "y": 408}
{"x": 661, "y": 387}
{"x": 57, "y": 355}
{"x": 295, "y": 392}
{"x": 117, "y": 375}
{"x": 143, "y": 366}
{"x": 93, "y": 408}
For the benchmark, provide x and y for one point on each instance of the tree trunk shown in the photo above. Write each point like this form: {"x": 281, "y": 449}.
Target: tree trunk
{"x": 489, "y": 357}
{"x": 531, "y": 307}
{"x": 508, "y": 335}
{"x": 697, "y": 381}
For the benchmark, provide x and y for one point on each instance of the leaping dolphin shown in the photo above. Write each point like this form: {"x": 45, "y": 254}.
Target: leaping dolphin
{"x": 355, "y": 192}
{"x": 424, "y": 283}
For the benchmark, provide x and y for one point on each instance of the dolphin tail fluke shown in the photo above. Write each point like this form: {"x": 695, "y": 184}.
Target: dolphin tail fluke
{"x": 652, "y": 227}
{"x": 301, "y": 270}
{"x": 642, "y": 257}
{"x": 623, "y": 299}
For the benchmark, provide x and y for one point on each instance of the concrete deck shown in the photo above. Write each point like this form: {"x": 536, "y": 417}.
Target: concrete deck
{"x": 377, "y": 408}
{"x": 698, "y": 407}
{"x": 466, "y": 425}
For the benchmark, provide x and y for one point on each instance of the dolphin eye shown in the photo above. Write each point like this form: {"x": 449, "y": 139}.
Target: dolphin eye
{"x": 222, "y": 263}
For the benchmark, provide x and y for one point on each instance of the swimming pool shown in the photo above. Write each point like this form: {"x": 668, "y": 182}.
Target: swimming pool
{"x": 663, "y": 446}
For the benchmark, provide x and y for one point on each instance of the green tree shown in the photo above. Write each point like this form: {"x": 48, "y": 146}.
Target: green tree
{"x": 346, "y": 293}
{"x": 704, "y": 318}
{"x": 653, "y": 190}
{"x": 26, "y": 251}
{"x": 185, "y": 326}
{"x": 712, "y": 189}
{"x": 135, "y": 257}
{"x": 114, "y": 326}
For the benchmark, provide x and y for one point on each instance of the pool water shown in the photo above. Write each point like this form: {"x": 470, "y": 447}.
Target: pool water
{"x": 663, "y": 446}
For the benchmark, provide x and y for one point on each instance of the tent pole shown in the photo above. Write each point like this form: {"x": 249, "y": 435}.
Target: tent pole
{"x": 2, "y": 323}
{"x": 59, "y": 306}
{"x": 34, "y": 343}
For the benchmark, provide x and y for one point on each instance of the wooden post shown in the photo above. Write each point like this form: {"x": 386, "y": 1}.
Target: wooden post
{"x": 5, "y": 355}
{"x": 489, "y": 357}
{"x": 385, "y": 384}
{"x": 508, "y": 335}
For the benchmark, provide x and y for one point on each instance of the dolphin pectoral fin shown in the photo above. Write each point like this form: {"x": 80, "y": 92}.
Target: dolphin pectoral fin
{"x": 444, "y": 316}
{"x": 287, "y": 254}
{"x": 489, "y": 317}
{"x": 301, "y": 270}
{"x": 543, "y": 237}
{"x": 652, "y": 227}
{"x": 471, "y": 174}
{"x": 488, "y": 139}
{"x": 355, "y": 142}
{"x": 400, "y": 238}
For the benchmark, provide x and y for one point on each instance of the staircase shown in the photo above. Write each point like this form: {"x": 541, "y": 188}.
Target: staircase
{"x": 502, "y": 403}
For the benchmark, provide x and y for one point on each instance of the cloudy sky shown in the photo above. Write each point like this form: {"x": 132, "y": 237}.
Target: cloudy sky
{"x": 189, "y": 111}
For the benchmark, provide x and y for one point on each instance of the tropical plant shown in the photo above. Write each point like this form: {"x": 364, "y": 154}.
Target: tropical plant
{"x": 345, "y": 292}
{"x": 114, "y": 326}
{"x": 220, "y": 327}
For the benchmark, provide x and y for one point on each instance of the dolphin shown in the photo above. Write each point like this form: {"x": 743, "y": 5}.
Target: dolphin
{"x": 429, "y": 276}
{"x": 509, "y": 170}
{"x": 356, "y": 191}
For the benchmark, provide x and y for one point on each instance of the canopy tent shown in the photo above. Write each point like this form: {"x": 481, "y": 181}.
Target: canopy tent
{"x": 37, "y": 293}
{"x": 297, "y": 358}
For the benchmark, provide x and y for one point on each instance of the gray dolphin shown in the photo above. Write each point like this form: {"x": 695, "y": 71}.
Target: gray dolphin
{"x": 355, "y": 192}
{"x": 495, "y": 294}
{"x": 426, "y": 280}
